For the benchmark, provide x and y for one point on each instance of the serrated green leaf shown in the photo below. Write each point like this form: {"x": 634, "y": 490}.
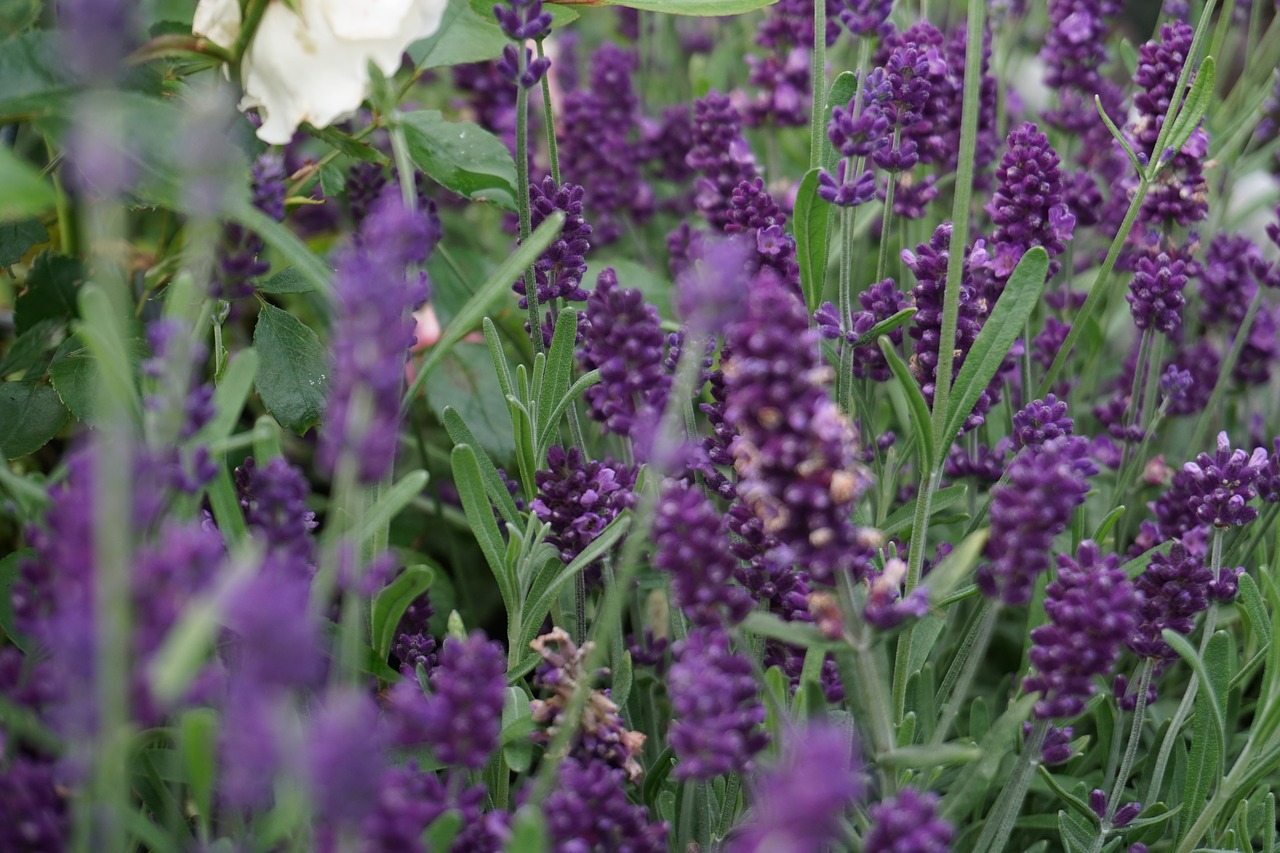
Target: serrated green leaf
{"x": 32, "y": 73}
{"x": 461, "y": 156}
{"x": 30, "y": 415}
{"x": 30, "y": 349}
{"x": 17, "y": 238}
{"x": 921, "y": 425}
{"x": 392, "y": 601}
{"x": 276, "y": 235}
{"x": 288, "y": 280}
{"x": 293, "y": 376}
{"x": 52, "y": 291}
{"x": 1007, "y": 321}
{"x": 812, "y": 215}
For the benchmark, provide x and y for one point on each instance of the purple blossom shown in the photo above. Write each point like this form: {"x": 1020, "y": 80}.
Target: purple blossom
{"x": 1174, "y": 588}
{"x": 1269, "y": 476}
{"x": 1261, "y": 349}
{"x": 273, "y": 498}
{"x": 754, "y": 212}
{"x": 1074, "y": 51}
{"x": 846, "y": 190}
{"x": 879, "y": 302}
{"x": 97, "y": 35}
{"x": 34, "y": 813}
{"x": 1221, "y": 486}
{"x": 1028, "y": 206}
{"x": 781, "y": 83}
{"x": 414, "y": 645}
{"x": 346, "y": 758}
{"x": 559, "y": 270}
{"x": 906, "y": 72}
{"x": 865, "y": 17}
{"x": 794, "y": 450}
{"x": 718, "y": 716}
{"x": 1155, "y": 293}
{"x": 800, "y": 803}
{"x": 411, "y": 799}
{"x": 588, "y": 812}
{"x": 1202, "y": 361}
{"x": 860, "y": 133}
{"x": 464, "y": 708}
{"x": 719, "y": 155}
{"x": 265, "y": 614}
{"x": 522, "y": 20}
{"x": 1057, "y": 743}
{"x": 372, "y": 333}
{"x": 709, "y": 288}
{"x": 623, "y": 339}
{"x": 1227, "y": 281}
{"x": 908, "y": 823}
{"x": 1044, "y": 487}
{"x": 985, "y": 464}
{"x": 238, "y": 263}
{"x": 579, "y": 498}
{"x": 690, "y": 543}
{"x": 1040, "y": 421}
{"x": 1092, "y": 611}
{"x": 886, "y": 608}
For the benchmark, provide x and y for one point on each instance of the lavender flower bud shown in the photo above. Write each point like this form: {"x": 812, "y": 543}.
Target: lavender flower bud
{"x": 1040, "y": 421}
{"x": 690, "y": 543}
{"x": 1028, "y": 207}
{"x": 1174, "y": 588}
{"x": 579, "y": 498}
{"x": 1220, "y": 487}
{"x": 908, "y": 823}
{"x": 720, "y": 155}
{"x": 589, "y": 811}
{"x": 1155, "y": 293}
{"x": 464, "y": 708}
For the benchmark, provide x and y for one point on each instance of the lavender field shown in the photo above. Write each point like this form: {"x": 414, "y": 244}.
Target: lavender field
{"x": 639, "y": 426}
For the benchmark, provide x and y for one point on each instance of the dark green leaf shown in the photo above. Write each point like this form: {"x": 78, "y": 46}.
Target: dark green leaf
{"x": 346, "y": 144}
{"x": 548, "y": 429}
{"x": 559, "y": 370}
{"x": 465, "y": 382}
{"x": 293, "y": 375}
{"x": 391, "y": 603}
{"x": 30, "y": 415}
{"x": 390, "y": 501}
{"x": 812, "y": 214}
{"x": 288, "y": 280}
{"x": 462, "y": 157}
{"x": 26, "y": 193}
{"x": 277, "y": 236}
{"x": 1080, "y": 806}
{"x": 32, "y": 72}
{"x": 52, "y": 289}
{"x": 546, "y": 589}
{"x": 18, "y": 15}
{"x": 842, "y": 91}
{"x": 463, "y": 37}
{"x": 920, "y": 423}
{"x": 9, "y": 564}
{"x": 16, "y": 238}
{"x": 74, "y": 374}
{"x": 31, "y": 348}
{"x": 1008, "y": 319}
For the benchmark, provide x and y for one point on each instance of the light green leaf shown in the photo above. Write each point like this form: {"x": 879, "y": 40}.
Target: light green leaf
{"x": 1193, "y": 108}
{"x": 32, "y": 73}
{"x": 470, "y": 484}
{"x": 288, "y": 280}
{"x": 293, "y": 376}
{"x": 461, "y": 156}
{"x": 812, "y": 215}
{"x": 463, "y": 37}
{"x": 391, "y": 602}
{"x": 994, "y": 746}
{"x": 920, "y": 423}
{"x": 1008, "y": 319}
{"x": 517, "y": 716}
{"x": 956, "y": 566}
{"x": 391, "y": 501}
{"x": 26, "y": 194}
{"x": 494, "y": 485}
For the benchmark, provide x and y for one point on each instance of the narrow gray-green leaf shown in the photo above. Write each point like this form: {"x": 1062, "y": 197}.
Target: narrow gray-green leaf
{"x": 885, "y": 326}
{"x": 920, "y": 423}
{"x": 479, "y": 512}
{"x": 390, "y": 604}
{"x": 230, "y": 396}
{"x": 391, "y": 501}
{"x": 1194, "y": 107}
{"x": 1008, "y": 319}
{"x": 305, "y": 262}
{"x": 1117, "y": 135}
{"x": 559, "y": 368}
{"x": 493, "y": 482}
{"x": 812, "y": 214}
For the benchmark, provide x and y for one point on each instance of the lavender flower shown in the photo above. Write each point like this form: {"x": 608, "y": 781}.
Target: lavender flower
{"x": 598, "y": 142}
{"x": 800, "y": 803}
{"x": 1045, "y": 486}
{"x": 865, "y": 17}
{"x": 846, "y": 190}
{"x": 558, "y": 271}
{"x": 1057, "y": 743}
{"x": 414, "y": 646}
{"x": 1221, "y": 486}
{"x": 781, "y": 82}
{"x": 410, "y": 800}
{"x": 238, "y": 263}
{"x": 522, "y": 20}
{"x": 1261, "y": 349}
{"x": 1155, "y": 293}
{"x": 1173, "y": 588}
{"x": 907, "y": 74}
{"x": 346, "y": 759}
{"x": 690, "y": 543}
{"x": 1092, "y": 611}
{"x": 719, "y": 155}
{"x": 97, "y": 35}
{"x": 886, "y": 608}
{"x": 33, "y": 811}
{"x": 1075, "y": 49}
{"x": 1227, "y": 281}
{"x": 908, "y": 823}
{"x": 579, "y": 498}
{"x": 985, "y": 464}
{"x": 753, "y": 213}
{"x": 273, "y": 499}
{"x": 1040, "y": 421}
{"x": 464, "y": 709}
{"x": 623, "y": 340}
{"x": 860, "y": 133}
{"x": 718, "y": 715}
{"x": 588, "y": 812}
{"x": 879, "y": 302}
{"x": 795, "y": 452}
{"x": 1269, "y": 477}
{"x": 372, "y": 334}
{"x": 1028, "y": 207}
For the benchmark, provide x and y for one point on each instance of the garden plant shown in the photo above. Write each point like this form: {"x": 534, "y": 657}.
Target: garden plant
{"x": 639, "y": 425}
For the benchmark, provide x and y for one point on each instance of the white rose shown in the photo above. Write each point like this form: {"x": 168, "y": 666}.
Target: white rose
{"x": 313, "y": 65}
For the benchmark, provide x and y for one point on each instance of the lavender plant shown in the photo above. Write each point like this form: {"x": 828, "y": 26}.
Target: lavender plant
{"x": 693, "y": 425}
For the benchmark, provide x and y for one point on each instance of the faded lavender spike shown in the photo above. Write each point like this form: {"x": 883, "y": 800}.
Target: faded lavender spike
{"x": 1092, "y": 610}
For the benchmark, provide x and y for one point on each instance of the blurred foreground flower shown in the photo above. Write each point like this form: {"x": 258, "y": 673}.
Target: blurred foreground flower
{"x": 313, "y": 64}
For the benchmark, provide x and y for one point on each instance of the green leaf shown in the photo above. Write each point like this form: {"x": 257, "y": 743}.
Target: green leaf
{"x": 901, "y": 518}
{"x": 293, "y": 376}
{"x": 9, "y": 565}
{"x": 391, "y": 501}
{"x": 1080, "y": 806}
{"x": 812, "y": 215}
{"x": 495, "y": 287}
{"x": 802, "y": 635}
{"x": 885, "y": 326}
{"x": 956, "y": 566}
{"x": 346, "y": 144}
{"x": 528, "y": 832}
{"x": 53, "y": 286}
{"x": 75, "y": 376}
{"x": 465, "y": 382}
{"x": 994, "y": 746}
{"x": 494, "y": 485}
{"x": 1077, "y": 837}
{"x": 17, "y": 238}
{"x": 1209, "y": 739}
{"x": 30, "y": 415}
{"x": 32, "y": 73}
{"x": 463, "y": 37}
{"x": 462, "y": 157}
{"x": 230, "y": 396}
{"x": 1008, "y": 319}
{"x": 1117, "y": 135}
{"x": 544, "y": 592}
{"x": 198, "y": 744}
{"x": 185, "y": 649}
{"x": 288, "y": 280}
{"x": 276, "y": 235}
{"x": 920, "y": 423}
{"x": 440, "y": 834}
{"x": 924, "y": 756}
{"x": 516, "y": 712}
{"x": 842, "y": 91}
{"x": 1193, "y": 108}
{"x": 699, "y": 8}
{"x": 548, "y": 429}
{"x": 470, "y": 484}
{"x": 559, "y": 370}
{"x": 30, "y": 349}
{"x": 392, "y": 601}
{"x": 1253, "y": 610}
{"x": 26, "y": 193}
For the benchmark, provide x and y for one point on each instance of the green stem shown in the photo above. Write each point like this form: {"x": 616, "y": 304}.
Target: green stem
{"x": 818, "y": 78}
{"x": 548, "y": 117}
{"x": 999, "y": 825}
{"x": 968, "y": 659}
{"x": 844, "y": 381}
{"x": 522, "y": 201}
{"x": 915, "y": 566}
{"x": 1131, "y": 748}
{"x": 404, "y": 166}
{"x": 252, "y": 15}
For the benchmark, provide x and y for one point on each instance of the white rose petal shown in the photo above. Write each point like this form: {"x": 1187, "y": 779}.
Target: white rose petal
{"x": 313, "y": 65}
{"x": 218, "y": 21}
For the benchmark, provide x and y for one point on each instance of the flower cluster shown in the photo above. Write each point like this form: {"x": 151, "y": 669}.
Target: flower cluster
{"x": 579, "y": 497}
